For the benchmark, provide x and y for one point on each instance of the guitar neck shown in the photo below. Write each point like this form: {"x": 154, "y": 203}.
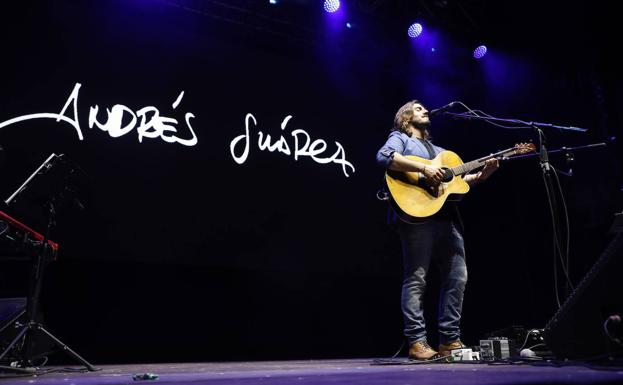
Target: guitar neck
{"x": 474, "y": 164}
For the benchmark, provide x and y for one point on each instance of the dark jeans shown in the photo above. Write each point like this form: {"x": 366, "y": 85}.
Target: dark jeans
{"x": 437, "y": 241}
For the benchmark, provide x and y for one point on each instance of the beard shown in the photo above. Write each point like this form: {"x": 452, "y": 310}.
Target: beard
{"x": 420, "y": 126}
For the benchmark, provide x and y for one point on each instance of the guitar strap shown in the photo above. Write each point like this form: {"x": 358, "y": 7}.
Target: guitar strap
{"x": 429, "y": 148}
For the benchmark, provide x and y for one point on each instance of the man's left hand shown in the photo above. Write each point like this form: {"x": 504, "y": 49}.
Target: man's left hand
{"x": 491, "y": 166}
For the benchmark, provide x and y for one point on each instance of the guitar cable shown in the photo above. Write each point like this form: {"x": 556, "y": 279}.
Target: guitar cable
{"x": 399, "y": 349}
{"x": 556, "y": 225}
{"x": 567, "y": 228}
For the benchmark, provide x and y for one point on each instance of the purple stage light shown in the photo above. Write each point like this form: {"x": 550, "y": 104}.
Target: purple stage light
{"x": 415, "y": 30}
{"x": 331, "y": 5}
{"x": 480, "y": 51}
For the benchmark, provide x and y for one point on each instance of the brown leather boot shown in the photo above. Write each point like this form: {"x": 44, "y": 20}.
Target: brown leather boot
{"x": 421, "y": 351}
{"x": 445, "y": 350}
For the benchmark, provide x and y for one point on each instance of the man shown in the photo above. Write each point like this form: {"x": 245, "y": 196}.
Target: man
{"x": 437, "y": 241}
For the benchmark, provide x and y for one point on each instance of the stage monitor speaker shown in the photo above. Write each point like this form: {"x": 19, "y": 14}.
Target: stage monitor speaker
{"x": 577, "y": 329}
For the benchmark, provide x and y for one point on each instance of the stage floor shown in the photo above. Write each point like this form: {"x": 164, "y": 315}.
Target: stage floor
{"x": 353, "y": 371}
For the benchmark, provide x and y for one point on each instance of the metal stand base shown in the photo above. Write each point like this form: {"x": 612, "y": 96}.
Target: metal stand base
{"x": 32, "y": 327}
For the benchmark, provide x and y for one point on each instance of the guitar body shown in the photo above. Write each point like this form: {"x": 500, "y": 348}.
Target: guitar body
{"x": 414, "y": 199}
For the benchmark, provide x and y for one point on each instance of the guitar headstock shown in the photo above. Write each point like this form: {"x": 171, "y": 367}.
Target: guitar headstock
{"x": 524, "y": 148}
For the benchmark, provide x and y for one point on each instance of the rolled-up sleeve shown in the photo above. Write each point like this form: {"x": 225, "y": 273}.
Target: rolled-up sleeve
{"x": 393, "y": 144}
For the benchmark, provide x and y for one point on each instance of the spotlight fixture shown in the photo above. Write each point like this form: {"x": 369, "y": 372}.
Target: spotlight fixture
{"x": 415, "y": 30}
{"x": 480, "y": 52}
{"x": 331, "y": 5}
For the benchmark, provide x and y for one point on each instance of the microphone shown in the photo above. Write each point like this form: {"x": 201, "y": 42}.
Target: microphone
{"x": 441, "y": 110}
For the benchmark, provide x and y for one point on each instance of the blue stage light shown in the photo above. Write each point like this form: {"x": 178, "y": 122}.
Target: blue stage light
{"x": 415, "y": 30}
{"x": 349, "y": 25}
{"x": 331, "y": 5}
{"x": 273, "y": 2}
{"x": 480, "y": 51}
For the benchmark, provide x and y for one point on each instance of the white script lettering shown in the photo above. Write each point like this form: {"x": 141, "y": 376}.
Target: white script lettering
{"x": 303, "y": 146}
{"x": 152, "y": 124}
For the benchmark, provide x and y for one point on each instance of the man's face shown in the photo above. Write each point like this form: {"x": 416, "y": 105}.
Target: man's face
{"x": 420, "y": 116}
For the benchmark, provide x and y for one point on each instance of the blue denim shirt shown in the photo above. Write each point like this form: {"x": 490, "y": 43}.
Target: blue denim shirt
{"x": 405, "y": 145}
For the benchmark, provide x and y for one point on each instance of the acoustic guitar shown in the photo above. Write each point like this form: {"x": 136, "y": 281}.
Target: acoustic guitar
{"x": 414, "y": 198}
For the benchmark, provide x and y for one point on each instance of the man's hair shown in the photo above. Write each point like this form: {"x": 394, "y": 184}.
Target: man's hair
{"x": 402, "y": 120}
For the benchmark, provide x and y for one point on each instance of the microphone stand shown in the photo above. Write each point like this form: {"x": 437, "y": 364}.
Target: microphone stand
{"x": 513, "y": 121}
{"x": 568, "y": 154}
{"x": 548, "y": 173}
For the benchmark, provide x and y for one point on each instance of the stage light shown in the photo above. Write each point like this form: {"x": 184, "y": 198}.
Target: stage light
{"x": 349, "y": 25}
{"x": 480, "y": 52}
{"x": 331, "y": 5}
{"x": 273, "y": 2}
{"x": 415, "y": 30}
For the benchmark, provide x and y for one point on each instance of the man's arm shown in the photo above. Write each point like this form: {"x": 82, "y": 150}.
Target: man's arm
{"x": 401, "y": 163}
{"x": 390, "y": 156}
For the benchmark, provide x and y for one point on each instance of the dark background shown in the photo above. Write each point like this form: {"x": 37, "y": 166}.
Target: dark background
{"x": 182, "y": 254}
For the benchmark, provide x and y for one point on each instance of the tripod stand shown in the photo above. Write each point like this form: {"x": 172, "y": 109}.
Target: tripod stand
{"x": 42, "y": 258}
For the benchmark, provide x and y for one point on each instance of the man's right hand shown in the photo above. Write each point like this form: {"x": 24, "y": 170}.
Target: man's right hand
{"x": 433, "y": 175}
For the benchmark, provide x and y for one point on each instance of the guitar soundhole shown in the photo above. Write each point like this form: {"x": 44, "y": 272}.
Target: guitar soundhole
{"x": 447, "y": 175}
